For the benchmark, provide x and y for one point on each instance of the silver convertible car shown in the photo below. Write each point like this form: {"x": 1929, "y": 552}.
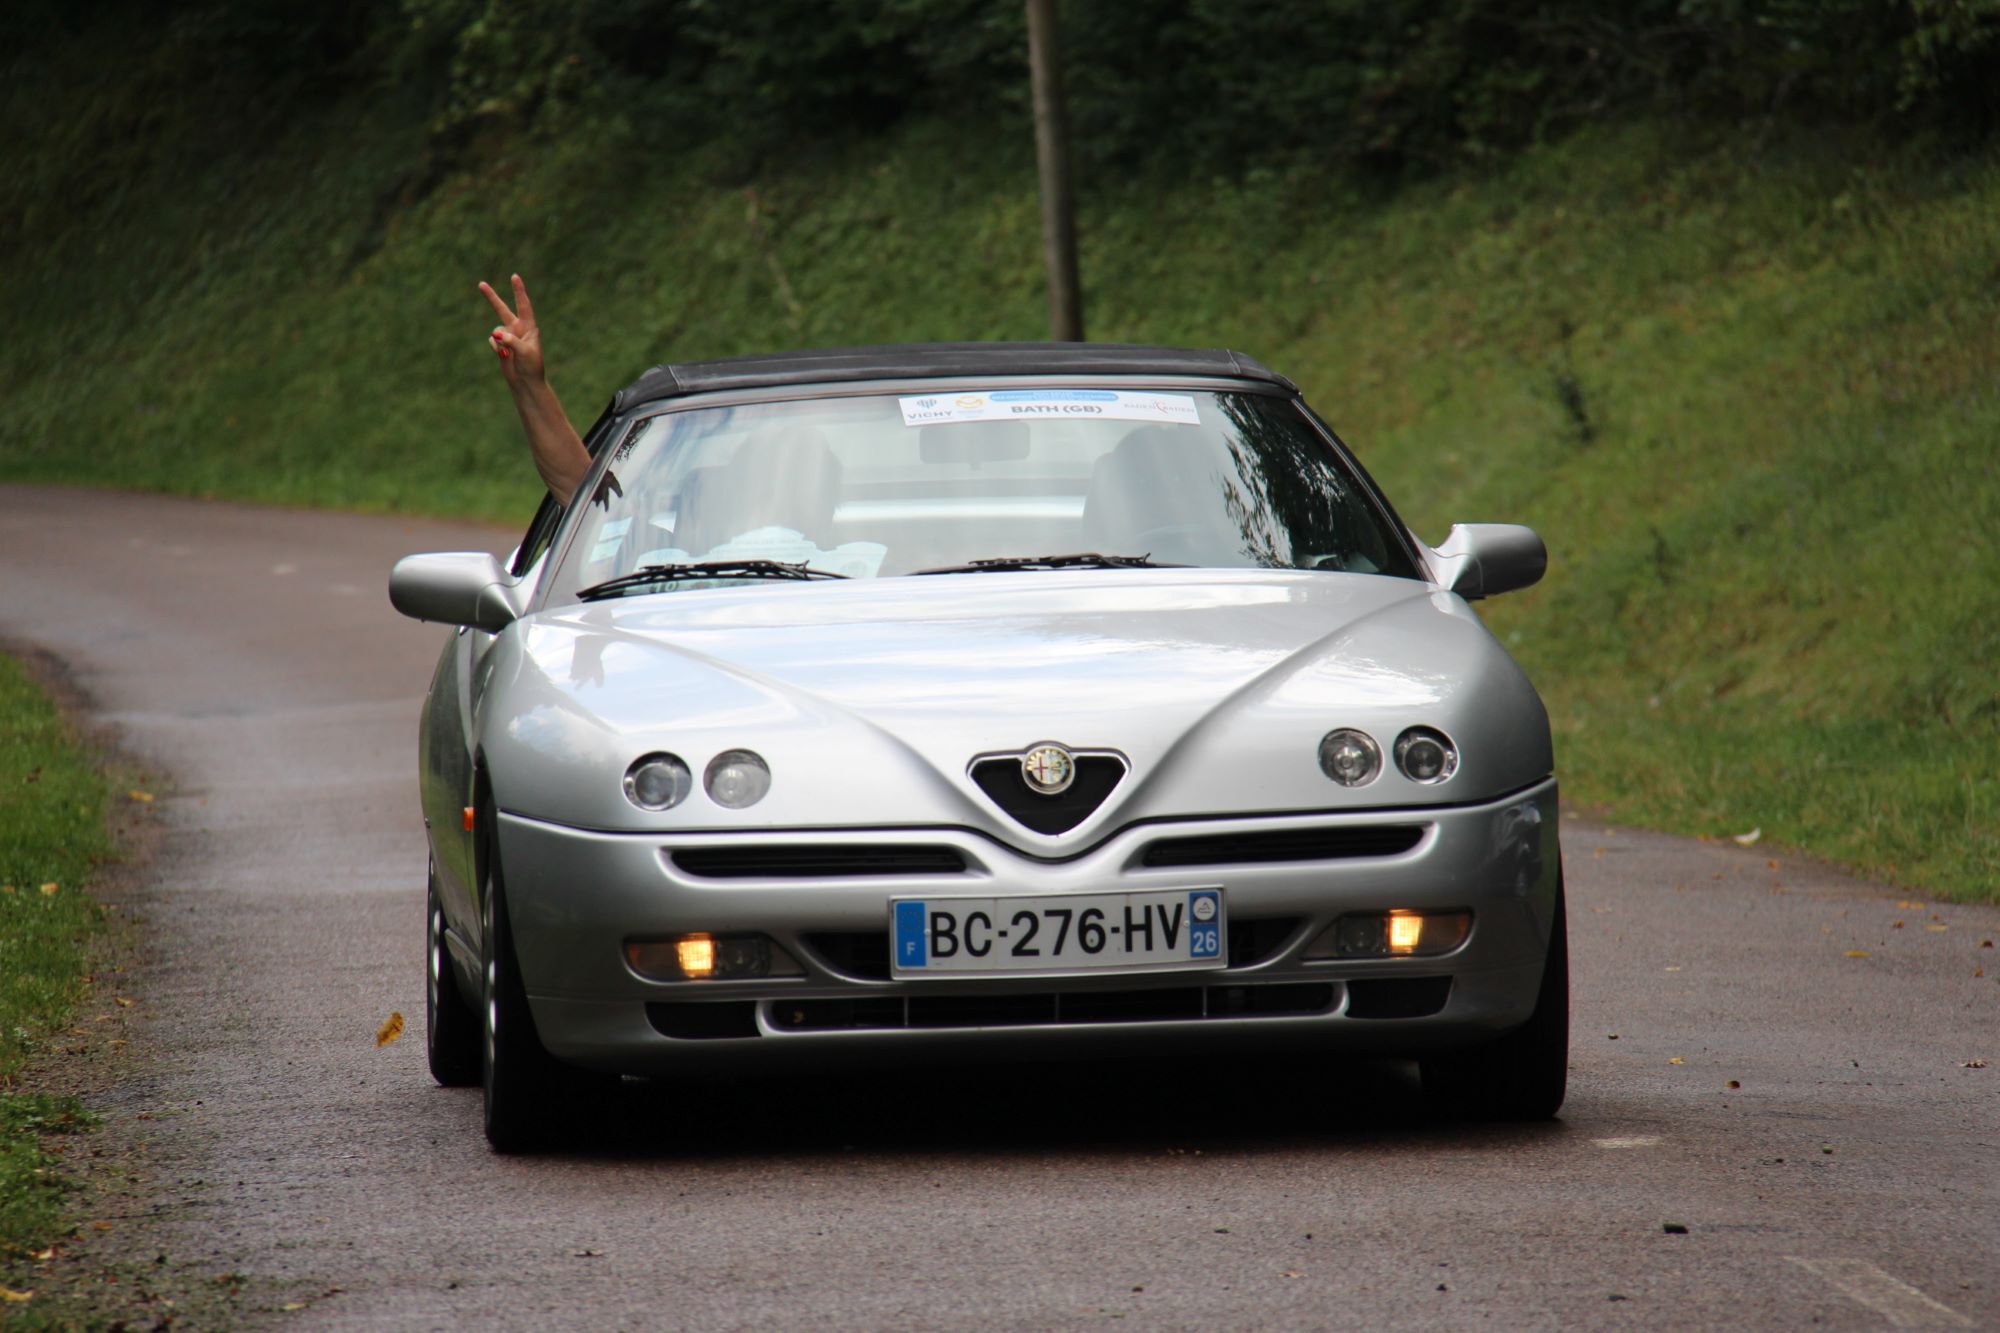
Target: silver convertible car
{"x": 984, "y": 701}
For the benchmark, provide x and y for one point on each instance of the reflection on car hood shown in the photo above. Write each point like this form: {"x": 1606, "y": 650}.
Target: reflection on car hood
{"x": 1163, "y": 666}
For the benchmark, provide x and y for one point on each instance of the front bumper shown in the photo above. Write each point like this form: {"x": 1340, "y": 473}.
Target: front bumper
{"x": 575, "y": 896}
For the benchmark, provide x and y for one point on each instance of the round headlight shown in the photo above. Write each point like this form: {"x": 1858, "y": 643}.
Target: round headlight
{"x": 737, "y": 778}
{"x": 658, "y": 782}
{"x": 1426, "y": 755}
{"x": 1350, "y": 757}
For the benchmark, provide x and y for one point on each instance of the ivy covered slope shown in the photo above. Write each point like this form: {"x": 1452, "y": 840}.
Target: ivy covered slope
{"x": 1737, "y": 368}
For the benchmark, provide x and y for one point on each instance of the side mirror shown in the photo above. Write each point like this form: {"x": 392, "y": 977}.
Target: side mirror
{"x": 1486, "y": 559}
{"x": 457, "y": 588}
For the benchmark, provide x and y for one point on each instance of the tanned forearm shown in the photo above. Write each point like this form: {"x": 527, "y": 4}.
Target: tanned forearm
{"x": 559, "y": 455}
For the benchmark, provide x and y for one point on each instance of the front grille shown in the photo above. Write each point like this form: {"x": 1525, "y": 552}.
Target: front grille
{"x": 703, "y": 1020}
{"x": 861, "y": 954}
{"x": 864, "y": 954}
{"x": 1397, "y": 997}
{"x": 1266, "y": 845}
{"x": 818, "y": 861}
{"x": 1057, "y": 1008}
{"x": 1096, "y": 775}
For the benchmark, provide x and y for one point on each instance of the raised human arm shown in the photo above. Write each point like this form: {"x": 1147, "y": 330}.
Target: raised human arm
{"x": 559, "y": 453}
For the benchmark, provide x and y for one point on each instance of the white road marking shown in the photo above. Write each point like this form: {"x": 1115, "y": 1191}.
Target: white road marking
{"x": 1630, "y": 1141}
{"x": 1898, "y": 1302}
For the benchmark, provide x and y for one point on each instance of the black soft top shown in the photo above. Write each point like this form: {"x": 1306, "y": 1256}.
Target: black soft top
{"x": 929, "y": 360}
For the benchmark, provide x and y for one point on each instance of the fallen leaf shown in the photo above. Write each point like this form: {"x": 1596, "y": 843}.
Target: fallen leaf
{"x": 1772, "y": 864}
{"x": 43, "y": 1256}
{"x": 1973, "y": 1064}
{"x": 1611, "y": 1036}
{"x": 389, "y": 1030}
{"x": 1895, "y": 925}
{"x": 1911, "y": 907}
{"x": 1675, "y": 1060}
{"x": 587, "y": 1254}
{"x": 140, "y": 795}
{"x": 1289, "y": 1272}
{"x": 1986, "y": 944}
{"x": 1978, "y": 972}
{"x": 1748, "y": 839}
{"x": 1934, "y": 927}
{"x": 1857, "y": 953}
{"x": 48, "y": 890}
{"x": 13, "y": 1297}
{"x": 124, "y": 1003}
{"x": 1732, "y": 1085}
{"x": 290, "y": 1306}
{"x": 100, "y": 1226}
{"x": 6, "y": 888}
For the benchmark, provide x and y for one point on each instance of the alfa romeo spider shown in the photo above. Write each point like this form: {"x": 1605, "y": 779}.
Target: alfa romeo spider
{"x": 994, "y": 701}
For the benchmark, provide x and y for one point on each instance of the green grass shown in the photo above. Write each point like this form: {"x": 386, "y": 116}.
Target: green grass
{"x": 1746, "y": 393}
{"x": 52, "y": 829}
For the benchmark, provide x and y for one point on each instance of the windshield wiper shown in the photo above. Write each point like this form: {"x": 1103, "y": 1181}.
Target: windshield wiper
{"x": 646, "y": 575}
{"x": 1080, "y": 560}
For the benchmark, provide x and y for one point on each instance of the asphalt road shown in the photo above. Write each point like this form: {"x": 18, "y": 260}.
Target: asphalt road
{"x": 1762, "y": 1130}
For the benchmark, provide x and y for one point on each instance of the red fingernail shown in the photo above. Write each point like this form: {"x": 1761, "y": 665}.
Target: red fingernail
{"x": 503, "y": 354}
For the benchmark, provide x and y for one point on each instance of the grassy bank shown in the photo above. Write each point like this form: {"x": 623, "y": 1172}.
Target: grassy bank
{"x": 52, "y": 808}
{"x": 1745, "y": 390}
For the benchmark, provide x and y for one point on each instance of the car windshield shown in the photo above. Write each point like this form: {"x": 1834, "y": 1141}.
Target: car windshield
{"x": 905, "y": 483}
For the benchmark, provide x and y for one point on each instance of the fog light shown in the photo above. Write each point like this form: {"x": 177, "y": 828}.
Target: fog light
{"x": 696, "y": 957}
{"x": 704, "y": 957}
{"x": 1393, "y": 934}
{"x": 737, "y": 778}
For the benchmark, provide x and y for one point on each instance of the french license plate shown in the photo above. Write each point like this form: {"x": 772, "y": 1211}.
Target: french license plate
{"x": 1095, "y": 932}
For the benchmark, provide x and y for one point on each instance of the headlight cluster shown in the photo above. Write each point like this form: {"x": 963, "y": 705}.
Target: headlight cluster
{"x": 734, "y": 779}
{"x": 1353, "y": 759}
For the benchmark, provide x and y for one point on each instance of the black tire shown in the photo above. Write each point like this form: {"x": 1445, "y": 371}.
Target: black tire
{"x": 451, "y": 1029}
{"x": 530, "y": 1095}
{"x": 1523, "y": 1075}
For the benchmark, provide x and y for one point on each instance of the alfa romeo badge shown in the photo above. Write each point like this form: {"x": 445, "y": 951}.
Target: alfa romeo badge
{"x": 1048, "y": 770}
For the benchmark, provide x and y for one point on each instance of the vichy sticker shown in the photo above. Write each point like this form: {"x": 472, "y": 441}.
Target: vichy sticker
{"x": 1075, "y": 404}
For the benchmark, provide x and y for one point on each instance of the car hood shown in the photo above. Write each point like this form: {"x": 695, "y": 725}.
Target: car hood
{"x": 869, "y": 700}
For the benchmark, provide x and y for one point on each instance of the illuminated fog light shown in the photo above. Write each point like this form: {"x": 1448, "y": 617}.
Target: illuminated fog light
{"x": 1350, "y": 757}
{"x": 1426, "y": 755}
{"x": 696, "y": 956}
{"x": 701, "y": 956}
{"x": 658, "y": 782}
{"x": 736, "y": 779}
{"x": 1395, "y": 934}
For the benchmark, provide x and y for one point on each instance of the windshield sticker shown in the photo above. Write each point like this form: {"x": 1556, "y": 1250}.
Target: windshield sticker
{"x": 609, "y": 538}
{"x": 1016, "y": 404}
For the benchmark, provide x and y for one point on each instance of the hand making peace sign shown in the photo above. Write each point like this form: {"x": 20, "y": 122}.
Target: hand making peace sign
{"x": 517, "y": 338}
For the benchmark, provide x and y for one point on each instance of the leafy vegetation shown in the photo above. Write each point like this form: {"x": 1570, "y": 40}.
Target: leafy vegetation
{"x": 1735, "y": 364}
{"x": 52, "y": 801}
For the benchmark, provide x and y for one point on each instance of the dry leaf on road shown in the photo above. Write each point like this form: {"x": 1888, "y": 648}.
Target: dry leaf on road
{"x": 390, "y": 1030}
{"x": 1748, "y": 839}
